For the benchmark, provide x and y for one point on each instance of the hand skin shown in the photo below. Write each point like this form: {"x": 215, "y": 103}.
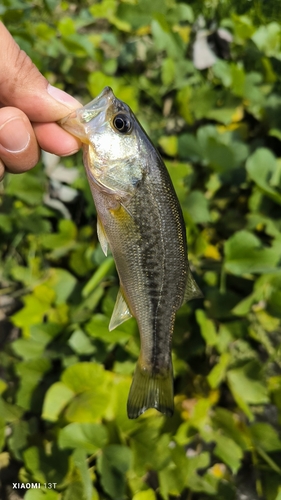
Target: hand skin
{"x": 29, "y": 109}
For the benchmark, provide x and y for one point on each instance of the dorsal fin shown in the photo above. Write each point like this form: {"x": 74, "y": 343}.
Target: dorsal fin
{"x": 192, "y": 290}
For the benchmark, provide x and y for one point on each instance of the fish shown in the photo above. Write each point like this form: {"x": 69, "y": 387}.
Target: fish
{"x": 140, "y": 220}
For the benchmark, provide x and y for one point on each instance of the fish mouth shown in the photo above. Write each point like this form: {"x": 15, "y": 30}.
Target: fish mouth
{"x": 97, "y": 105}
{"x": 76, "y": 121}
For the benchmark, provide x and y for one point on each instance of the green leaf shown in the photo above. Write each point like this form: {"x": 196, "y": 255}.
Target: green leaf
{"x": 265, "y": 436}
{"x": 167, "y": 74}
{"x": 145, "y": 495}
{"x": 267, "y": 39}
{"x": 91, "y": 383}
{"x": 19, "y": 437}
{"x": 32, "y": 313}
{"x": 2, "y": 432}
{"x": 247, "y": 381}
{"x": 169, "y": 144}
{"x": 31, "y": 373}
{"x": 98, "y": 328}
{"x": 62, "y": 282}
{"x": 207, "y": 328}
{"x": 40, "y": 494}
{"x": 88, "y": 437}
{"x": 228, "y": 451}
{"x": 10, "y": 412}
{"x": 113, "y": 463}
{"x": 56, "y": 398}
{"x": 196, "y": 206}
{"x": 244, "y": 254}
{"x": 217, "y": 374}
{"x": 227, "y": 422}
{"x": 26, "y": 187}
{"x": 261, "y": 166}
{"x": 44, "y": 467}
{"x": 80, "y": 343}
{"x": 62, "y": 242}
{"x": 80, "y": 460}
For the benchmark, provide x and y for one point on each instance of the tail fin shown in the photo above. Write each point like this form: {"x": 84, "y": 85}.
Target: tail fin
{"x": 150, "y": 390}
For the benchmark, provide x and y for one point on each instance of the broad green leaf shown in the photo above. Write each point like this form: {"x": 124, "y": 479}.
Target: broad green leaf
{"x": 80, "y": 460}
{"x": 244, "y": 254}
{"x": 63, "y": 241}
{"x": 265, "y": 436}
{"x": 196, "y": 206}
{"x": 98, "y": 328}
{"x": 27, "y": 187}
{"x": 247, "y": 381}
{"x": 10, "y": 412}
{"x": 44, "y": 467}
{"x": 145, "y": 495}
{"x": 30, "y": 373}
{"x": 140, "y": 13}
{"x": 169, "y": 144}
{"x": 113, "y": 462}
{"x": 267, "y": 39}
{"x": 32, "y": 313}
{"x": 88, "y": 437}
{"x": 19, "y": 437}
{"x": 56, "y": 398}
{"x": 80, "y": 343}
{"x": 3, "y": 386}
{"x": 167, "y": 75}
{"x": 261, "y": 166}
{"x": 42, "y": 494}
{"x": 227, "y": 422}
{"x": 62, "y": 282}
{"x": 89, "y": 406}
{"x": 207, "y": 328}
{"x": 228, "y": 451}
{"x": 84, "y": 376}
{"x": 90, "y": 382}
{"x": 217, "y": 374}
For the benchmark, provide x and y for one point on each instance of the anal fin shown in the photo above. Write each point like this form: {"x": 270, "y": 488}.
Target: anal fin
{"x": 102, "y": 237}
{"x": 121, "y": 312}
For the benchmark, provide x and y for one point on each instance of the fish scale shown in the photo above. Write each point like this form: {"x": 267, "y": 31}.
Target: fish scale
{"x": 140, "y": 219}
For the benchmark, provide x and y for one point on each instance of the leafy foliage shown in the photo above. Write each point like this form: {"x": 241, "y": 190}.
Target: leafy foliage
{"x": 214, "y": 112}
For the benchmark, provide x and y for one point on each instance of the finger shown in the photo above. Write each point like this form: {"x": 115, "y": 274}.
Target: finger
{"x": 52, "y": 138}
{"x": 23, "y": 86}
{"x": 19, "y": 149}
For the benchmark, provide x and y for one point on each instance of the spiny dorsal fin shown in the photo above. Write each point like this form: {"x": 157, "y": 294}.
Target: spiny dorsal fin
{"x": 121, "y": 312}
{"x": 192, "y": 290}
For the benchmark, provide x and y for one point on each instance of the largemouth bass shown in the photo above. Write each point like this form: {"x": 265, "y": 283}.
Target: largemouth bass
{"x": 140, "y": 219}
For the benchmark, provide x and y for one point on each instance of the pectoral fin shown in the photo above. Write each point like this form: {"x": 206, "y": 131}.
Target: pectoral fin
{"x": 121, "y": 312}
{"x": 102, "y": 237}
{"x": 192, "y": 290}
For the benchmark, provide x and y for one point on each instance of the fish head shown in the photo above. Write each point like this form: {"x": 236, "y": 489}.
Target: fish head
{"x": 116, "y": 144}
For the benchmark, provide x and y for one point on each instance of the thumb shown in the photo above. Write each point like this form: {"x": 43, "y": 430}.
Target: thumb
{"x": 23, "y": 86}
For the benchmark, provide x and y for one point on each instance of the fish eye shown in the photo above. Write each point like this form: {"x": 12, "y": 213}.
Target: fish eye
{"x": 122, "y": 123}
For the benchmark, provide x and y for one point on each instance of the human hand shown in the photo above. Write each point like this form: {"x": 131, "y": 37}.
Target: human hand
{"x": 29, "y": 109}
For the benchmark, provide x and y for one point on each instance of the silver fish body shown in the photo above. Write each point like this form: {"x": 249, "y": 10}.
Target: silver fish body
{"x": 140, "y": 218}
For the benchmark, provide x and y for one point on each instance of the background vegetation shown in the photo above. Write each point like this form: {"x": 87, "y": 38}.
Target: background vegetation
{"x": 204, "y": 79}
